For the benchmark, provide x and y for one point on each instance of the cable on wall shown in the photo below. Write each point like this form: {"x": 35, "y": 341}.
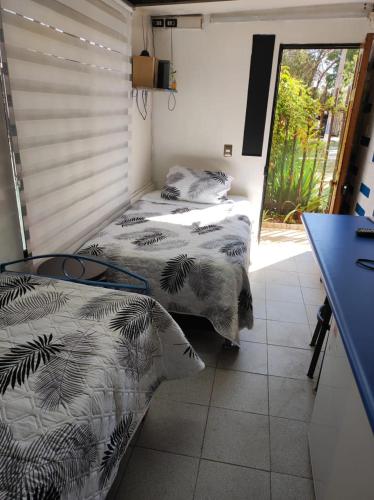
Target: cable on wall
{"x": 172, "y": 100}
{"x": 143, "y": 104}
{"x": 153, "y": 42}
{"x": 171, "y": 46}
{"x": 145, "y": 36}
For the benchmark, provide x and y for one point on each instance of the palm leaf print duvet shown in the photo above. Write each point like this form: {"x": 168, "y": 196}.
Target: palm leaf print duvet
{"x": 78, "y": 367}
{"x": 194, "y": 255}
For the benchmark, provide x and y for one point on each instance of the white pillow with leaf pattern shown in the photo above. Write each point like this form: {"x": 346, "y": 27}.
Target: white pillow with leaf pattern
{"x": 200, "y": 186}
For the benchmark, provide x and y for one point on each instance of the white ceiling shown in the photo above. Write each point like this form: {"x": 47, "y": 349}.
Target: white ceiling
{"x": 235, "y": 6}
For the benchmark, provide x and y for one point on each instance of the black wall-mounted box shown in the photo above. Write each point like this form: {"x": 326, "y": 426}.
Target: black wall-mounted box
{"x": 258, "y": 94}
{"x": 163, "y": 74}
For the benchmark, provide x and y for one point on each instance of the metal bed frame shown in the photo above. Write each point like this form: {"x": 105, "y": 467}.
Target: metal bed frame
{"x": 142, "y": 288}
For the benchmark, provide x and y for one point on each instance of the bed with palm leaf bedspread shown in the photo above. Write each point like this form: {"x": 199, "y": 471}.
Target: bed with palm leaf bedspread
{"x": 195, "y": 256}
{"x": 78, "y": 366}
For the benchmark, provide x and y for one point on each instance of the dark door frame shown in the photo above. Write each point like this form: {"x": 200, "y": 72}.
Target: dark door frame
{"x": 282, "y": 47}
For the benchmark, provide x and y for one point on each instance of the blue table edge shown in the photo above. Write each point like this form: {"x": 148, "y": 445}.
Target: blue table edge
{"x": 363, "y": 384}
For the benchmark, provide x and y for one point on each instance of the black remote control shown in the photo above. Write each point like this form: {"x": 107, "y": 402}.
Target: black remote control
{"x": 365, "y": 232}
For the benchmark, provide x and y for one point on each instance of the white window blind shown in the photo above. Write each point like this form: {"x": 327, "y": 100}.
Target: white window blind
{"x": 69, "y": 76}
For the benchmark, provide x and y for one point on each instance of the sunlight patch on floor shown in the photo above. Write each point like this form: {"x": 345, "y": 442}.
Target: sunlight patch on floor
{"x": 279, "y": 246}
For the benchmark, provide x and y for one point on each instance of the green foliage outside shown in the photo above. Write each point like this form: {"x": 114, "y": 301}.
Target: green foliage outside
{"x": 303, "y": 157}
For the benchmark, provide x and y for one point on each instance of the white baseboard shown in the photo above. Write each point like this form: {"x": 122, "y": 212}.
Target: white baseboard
{"x": 136, "y": 195}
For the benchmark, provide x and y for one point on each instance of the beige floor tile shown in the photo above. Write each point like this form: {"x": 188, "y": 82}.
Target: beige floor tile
{"x": 289, "y": 398}
{"x": 279, "y": 262}
{"x": 257, "y": 333}
{"x": 196, "y": 389}
{"x": 311, "y": 312}
{"x": 310, "y": 280}
{"x": 289, "y": 447}
{"x": 288, "y": 362}
{"x": 259, "y": 309}
{"x": 284, "y": 293}
{"x": 251, "y": 357}
{"x": 286, "y": 311}
{"x": 155, "y": 475}
{"x": 258, "y": 290}
{"x": 240, "y": 391}
{"x": 313, "y": 296}
{"x": 257, "y": 274}
{"x": 282, "y": 277}
{"x": 238, "y": 438}
{"x": 218, "y": 481}
{"x": 285, "y": 487}
{"x": 164, "y": 423}
{"x": 288, "y": 334}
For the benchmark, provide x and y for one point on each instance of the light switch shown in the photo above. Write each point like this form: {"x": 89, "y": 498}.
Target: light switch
{"x": 227, "y": 150}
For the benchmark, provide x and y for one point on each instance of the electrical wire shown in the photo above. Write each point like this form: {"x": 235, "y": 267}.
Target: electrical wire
{"x": 143, "y": 112}
{"x": 145, "y": 102}
{"x": 143, "y": 31}
{"x": 145, "y": 35}
{"x": 172, "y": 101}
{"x": 171, "y": 46}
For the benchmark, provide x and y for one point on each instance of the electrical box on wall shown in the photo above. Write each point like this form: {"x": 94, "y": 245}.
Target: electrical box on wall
{"x": 171, "y": 23}
{"x": 178, "y": 22}
{"x": 158, "y": 22}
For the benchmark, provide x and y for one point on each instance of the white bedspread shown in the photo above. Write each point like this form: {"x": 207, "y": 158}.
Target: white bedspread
{"x": 195, "y": 256}
{"x": 78, "y": 366}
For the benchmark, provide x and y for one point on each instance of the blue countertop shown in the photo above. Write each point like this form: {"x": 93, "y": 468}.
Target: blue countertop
{"x": 350, "y": 290}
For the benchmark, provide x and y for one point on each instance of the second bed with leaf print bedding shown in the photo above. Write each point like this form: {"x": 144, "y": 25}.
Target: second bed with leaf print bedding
{"x": 195, "y": 256}
{"x": 78, "y": 367}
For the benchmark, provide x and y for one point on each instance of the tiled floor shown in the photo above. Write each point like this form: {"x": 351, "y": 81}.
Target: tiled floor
{"x": 238, "y": 431}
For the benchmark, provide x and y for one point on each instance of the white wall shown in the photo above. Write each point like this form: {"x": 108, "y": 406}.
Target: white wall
{"x": 10, "y": 236}
{"x": 140, "y": 173}
{"x": 212, "y": 76}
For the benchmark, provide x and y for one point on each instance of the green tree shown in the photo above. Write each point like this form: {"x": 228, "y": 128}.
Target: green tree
{"x": 295, "y": 122}
{"x": 308, "y": 98}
